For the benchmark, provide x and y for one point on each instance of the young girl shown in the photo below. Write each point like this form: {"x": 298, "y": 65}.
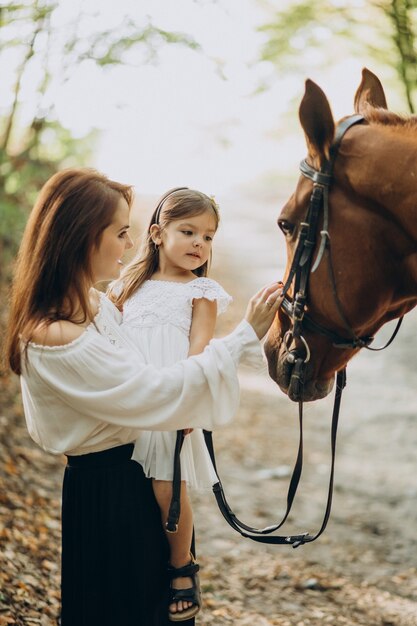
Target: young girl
{"x": 169, "y": 312}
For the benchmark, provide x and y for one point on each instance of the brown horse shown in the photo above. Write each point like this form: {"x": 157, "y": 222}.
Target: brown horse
{"x": 368, "y": 272}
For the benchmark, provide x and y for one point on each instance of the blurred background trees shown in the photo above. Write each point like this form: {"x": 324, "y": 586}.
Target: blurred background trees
{"x": 298, "y": 36}
{"x": 319, "y": 33}
{"x": 33, "y": 142}
{"x": 43, "y": 52}
{"x": 402, "y": 16}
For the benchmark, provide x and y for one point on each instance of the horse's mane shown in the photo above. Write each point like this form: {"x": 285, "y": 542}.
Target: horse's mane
{"x": 374, "y": 115}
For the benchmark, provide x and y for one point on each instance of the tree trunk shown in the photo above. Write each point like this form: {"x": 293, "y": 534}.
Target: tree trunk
{"x": 403, "y": 37}
{"x": 38, "y": 21}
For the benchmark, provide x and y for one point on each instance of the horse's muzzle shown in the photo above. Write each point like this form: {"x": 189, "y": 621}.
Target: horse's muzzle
{"x": 296, "y": 380}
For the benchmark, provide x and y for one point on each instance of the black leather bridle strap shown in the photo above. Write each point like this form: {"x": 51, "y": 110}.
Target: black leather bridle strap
{"x": 263, "y": 535}
{"x": 303, "y": 257}
{"x": 355, "y": 341}
{"x": 338, "y": 340}
{"x": 296, "y": 310}
{"x": 292, "y": 489}
{"x": 390, "y": 340}
{"x": 171, "y": 525}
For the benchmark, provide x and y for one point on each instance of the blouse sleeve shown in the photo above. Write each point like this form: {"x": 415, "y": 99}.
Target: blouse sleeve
{"x": 95, "y": 379}
{"x": 211, "y": 290}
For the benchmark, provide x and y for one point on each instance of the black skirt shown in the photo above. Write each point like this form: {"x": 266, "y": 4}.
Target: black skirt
{"x": 114, "y": 550}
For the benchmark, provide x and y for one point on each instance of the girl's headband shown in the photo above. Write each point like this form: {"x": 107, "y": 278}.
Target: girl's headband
{"x": 162, "y": 200}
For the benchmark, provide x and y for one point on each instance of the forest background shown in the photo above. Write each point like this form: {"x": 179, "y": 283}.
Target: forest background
{"x": 223, "y": 120}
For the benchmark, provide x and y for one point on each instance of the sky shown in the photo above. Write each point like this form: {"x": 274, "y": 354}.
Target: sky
{"x": 192, "y": 118}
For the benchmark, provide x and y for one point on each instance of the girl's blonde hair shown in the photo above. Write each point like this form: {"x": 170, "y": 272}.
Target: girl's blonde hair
{"x": 175, "y": 204}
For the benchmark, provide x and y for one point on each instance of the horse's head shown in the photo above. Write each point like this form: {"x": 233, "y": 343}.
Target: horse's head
{"x": 365, "y": 272}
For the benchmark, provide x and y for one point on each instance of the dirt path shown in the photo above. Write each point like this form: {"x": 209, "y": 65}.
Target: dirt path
{"x": 361, "y": 572}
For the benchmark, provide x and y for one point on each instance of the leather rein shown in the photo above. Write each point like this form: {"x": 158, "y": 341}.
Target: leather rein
{"x": 299, "y": 273}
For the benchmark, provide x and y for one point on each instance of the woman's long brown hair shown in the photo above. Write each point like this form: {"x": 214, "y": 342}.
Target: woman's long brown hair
{"x": 53, "y": 269}
{"x": 173, "y": 205}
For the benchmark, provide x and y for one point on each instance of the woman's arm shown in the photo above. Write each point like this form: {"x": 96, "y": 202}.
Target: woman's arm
{"x": 94, "y": 379}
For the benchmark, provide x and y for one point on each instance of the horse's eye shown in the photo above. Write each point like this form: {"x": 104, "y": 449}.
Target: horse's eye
{"x": 286, "y": 227}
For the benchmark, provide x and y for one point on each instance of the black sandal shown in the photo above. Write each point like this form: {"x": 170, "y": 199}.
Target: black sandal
{"x": 192, "y": 594}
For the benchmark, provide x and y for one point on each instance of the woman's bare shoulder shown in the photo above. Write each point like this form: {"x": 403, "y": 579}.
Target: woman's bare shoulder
{"x": 57, "y": 333}
{"x": 62, "y": 332}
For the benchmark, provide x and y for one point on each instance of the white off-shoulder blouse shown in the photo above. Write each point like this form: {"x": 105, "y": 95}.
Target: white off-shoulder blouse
{"x": 97, "y": 392}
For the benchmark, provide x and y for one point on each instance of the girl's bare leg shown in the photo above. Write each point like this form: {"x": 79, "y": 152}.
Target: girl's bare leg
{"x": 179, "y": 542}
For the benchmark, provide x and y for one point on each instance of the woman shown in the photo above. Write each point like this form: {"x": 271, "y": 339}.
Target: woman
{"x": 87, "y": 393}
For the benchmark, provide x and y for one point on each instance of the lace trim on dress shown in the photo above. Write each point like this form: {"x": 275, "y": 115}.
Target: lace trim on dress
{"x": 210, "y": 290}
{"x": 160, "y": 302}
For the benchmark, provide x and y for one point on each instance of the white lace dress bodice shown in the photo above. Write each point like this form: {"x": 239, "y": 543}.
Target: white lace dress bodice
{"x": 157, "y": 319}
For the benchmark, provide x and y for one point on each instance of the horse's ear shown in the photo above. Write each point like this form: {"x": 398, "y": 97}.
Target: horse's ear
{"x": 370, "y": 92}
{"x": 317, "y": 121}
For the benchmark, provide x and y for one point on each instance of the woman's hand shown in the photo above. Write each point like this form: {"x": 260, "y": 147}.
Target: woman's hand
{"x": 263, "y": 307}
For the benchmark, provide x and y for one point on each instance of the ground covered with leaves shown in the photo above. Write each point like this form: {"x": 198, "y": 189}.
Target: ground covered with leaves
{"x": 361, "y": 572}
{"x": 353, "y": 577}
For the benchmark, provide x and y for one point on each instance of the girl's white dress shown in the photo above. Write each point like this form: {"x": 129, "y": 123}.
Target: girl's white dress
{"x": 157, "y": 319}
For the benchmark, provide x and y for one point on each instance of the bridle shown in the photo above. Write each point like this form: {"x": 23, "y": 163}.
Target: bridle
{"x": 301, "y": 268}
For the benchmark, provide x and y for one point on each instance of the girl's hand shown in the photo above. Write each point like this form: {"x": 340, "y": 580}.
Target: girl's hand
{"x": 263, "y": 307}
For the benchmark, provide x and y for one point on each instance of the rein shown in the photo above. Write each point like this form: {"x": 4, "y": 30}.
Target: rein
{"x": 299, "y": 273}
{"x": 261, "y": 535}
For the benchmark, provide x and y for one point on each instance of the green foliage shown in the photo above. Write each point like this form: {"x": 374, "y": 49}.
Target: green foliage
{"x": 23, "y": 174}
{"x": 325, "y": 31}
{"x": 30, "y": 153}
{"x": 114, "y": 53}
{"x": 302, "y": 27}
{"x": 403, "y": 17}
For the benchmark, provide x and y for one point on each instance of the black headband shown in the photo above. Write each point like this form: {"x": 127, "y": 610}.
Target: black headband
{"x": 162, "y": 200}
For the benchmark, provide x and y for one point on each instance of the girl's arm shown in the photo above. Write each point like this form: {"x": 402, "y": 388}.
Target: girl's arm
{"x": 202, "y": 329}
{"x": 202, "y": 324}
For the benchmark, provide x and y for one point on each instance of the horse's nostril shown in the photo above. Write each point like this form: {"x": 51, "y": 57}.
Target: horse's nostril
{"x": 291, "y": 357}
